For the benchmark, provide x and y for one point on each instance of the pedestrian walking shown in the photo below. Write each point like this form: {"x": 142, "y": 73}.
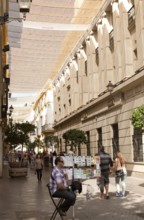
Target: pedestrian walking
{"x": 106, "y": 165}
{"x": 120, "y": 174}
{"x": 24, "y": 161}
{"x": 39, "y": 167}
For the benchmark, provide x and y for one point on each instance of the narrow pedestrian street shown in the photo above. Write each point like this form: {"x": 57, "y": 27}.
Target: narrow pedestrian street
{"x": 28, "y": 199}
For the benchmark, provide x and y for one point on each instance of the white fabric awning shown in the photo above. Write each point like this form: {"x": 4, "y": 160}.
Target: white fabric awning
{"x": 40, "y": 45}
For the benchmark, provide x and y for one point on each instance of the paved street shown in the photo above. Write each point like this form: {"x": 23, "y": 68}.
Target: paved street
{"x": 26, "y": 199}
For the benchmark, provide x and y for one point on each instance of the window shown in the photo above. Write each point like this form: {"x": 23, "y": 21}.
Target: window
{"x": 131, "y": 19}
{"x": 115, "y": 139}
{"x": 97, "y": 55}
{"x": 69, "y": 102}
{"x": 77, "y": 78}
{"x": 86, "y": 67}
{"x": 88, "y": 143}
{"x": 135, "y": 54}
{"x": 68, "y": 88}
{"x": 111, "y": 40}
{"x": 99, "y": 141}
{"x": 138, "y": 149}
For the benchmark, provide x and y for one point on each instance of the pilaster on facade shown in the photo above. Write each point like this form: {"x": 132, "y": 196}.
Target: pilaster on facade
{"x": 111, "y": 41}
{"x": 113, "y": 50}
{"x": 126, "y": 43}
{"x": 139, "y": 19}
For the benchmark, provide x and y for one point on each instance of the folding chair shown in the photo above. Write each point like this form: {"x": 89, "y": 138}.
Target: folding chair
{"x": 57, "y": 205}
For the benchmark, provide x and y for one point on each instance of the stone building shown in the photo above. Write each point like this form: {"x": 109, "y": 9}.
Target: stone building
{"x": 4, "y": 75}
{"x": 110, "y": 53}
{"x": 43, "y": 114}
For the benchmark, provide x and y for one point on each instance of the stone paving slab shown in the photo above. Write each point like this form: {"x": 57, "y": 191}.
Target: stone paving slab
{"x": 26, "y": 199}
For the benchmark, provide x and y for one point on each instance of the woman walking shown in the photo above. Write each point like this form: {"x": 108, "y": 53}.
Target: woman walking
{"x": 120, "y": 174}
{"x": 39, "y": 167}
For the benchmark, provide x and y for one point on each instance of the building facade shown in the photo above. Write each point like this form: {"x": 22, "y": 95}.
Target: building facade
{"x": 4, "y": 76}
{"x": 43, "y": 114}
{"x": 112, "y": 50}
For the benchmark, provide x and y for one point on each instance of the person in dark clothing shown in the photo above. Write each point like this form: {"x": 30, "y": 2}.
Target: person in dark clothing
{"x": 106, "y": 165}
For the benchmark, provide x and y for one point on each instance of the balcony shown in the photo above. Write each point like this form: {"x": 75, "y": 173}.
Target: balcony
{"x": 48, "y": 128}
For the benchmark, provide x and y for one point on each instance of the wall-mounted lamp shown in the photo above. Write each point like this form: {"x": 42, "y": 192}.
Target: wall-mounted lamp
{"x": 6, "y": 67}
{"x": 6, "y": 48}
{"x": 110, "y": 86}
{"x": 24, "y": 6}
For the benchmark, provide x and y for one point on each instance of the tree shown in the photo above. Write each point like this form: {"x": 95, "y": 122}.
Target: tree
{"x": 38, "y": 143}
{"x": 75, "y": 137}
{"x": 19, "y": 133}
{"x": 138, "y": 117}
{"x": 12, "y": 137}
{"x": 50, "y": 140}
{"x": 32, "y": 145}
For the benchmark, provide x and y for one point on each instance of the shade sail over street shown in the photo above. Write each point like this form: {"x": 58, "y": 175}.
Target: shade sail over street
{"x": 40, "y": 45}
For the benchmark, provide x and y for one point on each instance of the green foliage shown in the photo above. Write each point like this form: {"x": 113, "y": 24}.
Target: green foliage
{"x": 138, "y": 117}
{"x": 12, "y": 136}
{"x": 19, "y": 133}
{"x": 48, "y": 139}
{"x": 25, "y": 128}
{"x": 75, "y": 137}
{"x": 38, "y": 143}
{"x": 32, "y": 145}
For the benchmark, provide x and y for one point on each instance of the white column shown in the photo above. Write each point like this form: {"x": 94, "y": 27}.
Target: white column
{"x": 126, "y": 43}
{"x": 139, "y": 11}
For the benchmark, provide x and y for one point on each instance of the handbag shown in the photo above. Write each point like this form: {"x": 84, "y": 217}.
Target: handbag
{"x": 119, "y": 173}
{"x": 76, "y": 185}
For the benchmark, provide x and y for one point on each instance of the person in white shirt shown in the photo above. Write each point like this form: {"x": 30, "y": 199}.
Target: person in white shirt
{"x": 70, "y": 153}
{"x": 120, "y": 174}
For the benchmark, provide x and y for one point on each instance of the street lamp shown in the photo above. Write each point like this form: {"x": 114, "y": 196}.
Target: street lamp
{"x": 24, "y": 7}
{"x": 11, "y": 108}
{"x": 11, "y": 122}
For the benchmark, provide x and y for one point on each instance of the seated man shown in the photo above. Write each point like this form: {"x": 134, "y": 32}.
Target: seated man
{"x": 59, "y": 188}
